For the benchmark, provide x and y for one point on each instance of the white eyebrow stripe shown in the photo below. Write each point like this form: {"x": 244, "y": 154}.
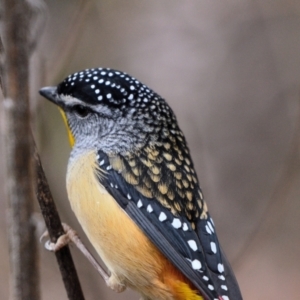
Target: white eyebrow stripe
{"x": 69, "y": 100}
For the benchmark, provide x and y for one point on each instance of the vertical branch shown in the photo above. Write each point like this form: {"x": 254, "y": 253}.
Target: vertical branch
{"x": 23, "y": 248}
{"x": 19, "y": 150}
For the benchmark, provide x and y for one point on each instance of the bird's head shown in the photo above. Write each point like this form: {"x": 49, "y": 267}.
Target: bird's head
{"x": 110, "y": 110}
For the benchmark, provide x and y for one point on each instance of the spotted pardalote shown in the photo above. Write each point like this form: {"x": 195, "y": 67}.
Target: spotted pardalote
{"x": 132, "y": 185}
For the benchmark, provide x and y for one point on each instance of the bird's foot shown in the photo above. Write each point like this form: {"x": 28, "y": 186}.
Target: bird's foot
{"x": 70, "y": 235}
{"x": 115, "y": 284}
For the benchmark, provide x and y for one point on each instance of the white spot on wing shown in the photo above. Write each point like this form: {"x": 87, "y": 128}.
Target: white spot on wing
{"x": 213, "y": 247}
{"x": 196, "y": 264}
{"x": 207, "y": 229}
{"x": 149, "y": 208}
{"x": 128, "y": 196}
{"x": 220, "y": 268}
{"x": 210, "y": 226}
{"x": 176, "y": 223}
{"x": 140, "y": 203}
{"x": 162, "y": 217}
{"x": 185, "y": 227}
{"x": 211, "y": 287}
{"x": 193, "y": 245}
{"x": 221, "y": 277}
{"x": 224, "y": 287}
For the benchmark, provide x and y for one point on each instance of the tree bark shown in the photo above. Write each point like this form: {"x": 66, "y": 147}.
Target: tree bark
{"x": 24, "y": 167}
{"x": 23, "y": 246}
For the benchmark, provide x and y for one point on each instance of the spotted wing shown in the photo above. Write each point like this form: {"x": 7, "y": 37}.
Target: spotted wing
{"x": 175, "y": 221}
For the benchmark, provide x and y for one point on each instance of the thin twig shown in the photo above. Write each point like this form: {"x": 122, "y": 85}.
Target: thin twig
{"x": 55, "y": 229}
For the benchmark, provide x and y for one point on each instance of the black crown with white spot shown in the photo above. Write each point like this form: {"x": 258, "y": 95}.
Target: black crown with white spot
{"x": 106, "y": 86}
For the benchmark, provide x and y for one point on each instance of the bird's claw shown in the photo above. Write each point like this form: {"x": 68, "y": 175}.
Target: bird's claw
{"x": 115, "y": 284}
{"x": 62, "y": 241}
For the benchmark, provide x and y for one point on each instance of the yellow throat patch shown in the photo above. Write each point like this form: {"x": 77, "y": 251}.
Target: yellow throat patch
{"x": 70, "y": 135}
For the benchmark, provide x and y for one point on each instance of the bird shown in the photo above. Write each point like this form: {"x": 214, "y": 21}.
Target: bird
{"x": 133, "y": 187}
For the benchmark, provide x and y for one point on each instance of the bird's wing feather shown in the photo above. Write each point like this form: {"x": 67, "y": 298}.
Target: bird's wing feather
{"x": 186, "y": 243}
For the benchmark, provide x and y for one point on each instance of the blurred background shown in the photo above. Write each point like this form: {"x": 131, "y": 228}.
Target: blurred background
{"x": 231, "y": 72}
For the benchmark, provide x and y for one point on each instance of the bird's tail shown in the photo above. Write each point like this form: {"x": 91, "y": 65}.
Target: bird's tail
{"x": 182, "y": 291}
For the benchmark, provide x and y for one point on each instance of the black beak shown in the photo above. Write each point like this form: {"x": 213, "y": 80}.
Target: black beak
{"x": 50, "y": 92}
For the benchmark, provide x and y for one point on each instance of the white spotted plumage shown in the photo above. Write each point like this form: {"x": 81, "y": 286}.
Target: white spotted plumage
{"x": 220, "y": 268}
{"x": 139, "y": 203}
{"x": 162, "y": 217}
{"x": 213, "y": 247}
{"x": 185, "y": 227}
{"x": 196, "y": 264}
{"x": 193, "y": 245}
{"x": 149, "y": 208}
{"x": 176, "y": 223}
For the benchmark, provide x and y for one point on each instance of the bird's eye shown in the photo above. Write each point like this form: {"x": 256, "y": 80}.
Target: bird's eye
{"x": 81, "y": 111}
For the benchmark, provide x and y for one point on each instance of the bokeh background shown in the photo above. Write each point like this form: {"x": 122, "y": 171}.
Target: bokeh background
{"x": 231, "y": 72}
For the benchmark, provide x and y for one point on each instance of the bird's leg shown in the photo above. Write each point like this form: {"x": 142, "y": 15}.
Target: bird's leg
{"x": 71, "y": 235}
